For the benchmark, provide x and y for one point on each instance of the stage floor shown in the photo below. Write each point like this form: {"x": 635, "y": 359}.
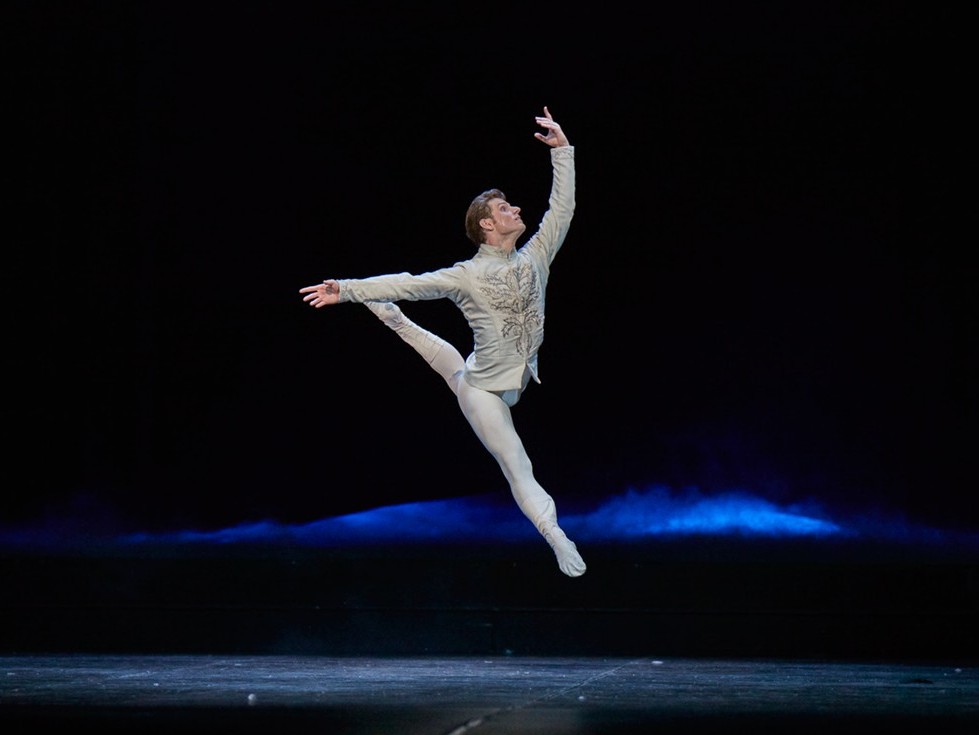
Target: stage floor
{"x": 481, "y": 695}
{"x": 439, "y": 640}
{"x": 705, "y": 601}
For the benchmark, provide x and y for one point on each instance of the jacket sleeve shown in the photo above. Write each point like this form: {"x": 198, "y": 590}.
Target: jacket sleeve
{"x": 556, "y": 222}
{"x": 439, "y": 284}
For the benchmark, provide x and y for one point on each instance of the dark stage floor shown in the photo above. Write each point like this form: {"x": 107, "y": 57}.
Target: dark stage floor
{"x": 480, "y": 695}
{"x": 706, "y": 598}
{"x": 704, "y": 636}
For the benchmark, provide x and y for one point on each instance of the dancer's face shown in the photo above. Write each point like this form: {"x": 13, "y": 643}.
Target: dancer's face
{"x": 506, "y": 218}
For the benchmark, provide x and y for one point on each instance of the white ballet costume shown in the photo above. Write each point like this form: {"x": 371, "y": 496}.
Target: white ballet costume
{"x": 489, "y": 415}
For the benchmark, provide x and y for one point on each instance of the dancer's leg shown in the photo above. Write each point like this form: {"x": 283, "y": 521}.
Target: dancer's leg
{"x": 442, "y": 356}
{"x": 491, "y": 420}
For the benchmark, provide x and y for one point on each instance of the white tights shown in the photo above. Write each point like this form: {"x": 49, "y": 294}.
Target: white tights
{"x": 489, "y": 416}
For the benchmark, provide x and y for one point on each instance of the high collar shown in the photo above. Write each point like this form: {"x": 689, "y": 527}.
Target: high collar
{"x": 496, "y": 252}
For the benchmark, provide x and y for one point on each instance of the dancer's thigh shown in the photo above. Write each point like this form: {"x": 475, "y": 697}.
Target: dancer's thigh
{"x": 490, "y": 418}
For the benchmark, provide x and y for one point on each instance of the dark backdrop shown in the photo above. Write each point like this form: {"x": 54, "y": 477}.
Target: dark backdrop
{"x": 762, "y": 288}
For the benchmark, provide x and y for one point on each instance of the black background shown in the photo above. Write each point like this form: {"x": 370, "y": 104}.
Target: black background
{"x": 763, "y": 287}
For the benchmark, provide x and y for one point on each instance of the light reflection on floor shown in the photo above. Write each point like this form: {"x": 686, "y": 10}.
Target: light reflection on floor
{"x": 482, "y": 695}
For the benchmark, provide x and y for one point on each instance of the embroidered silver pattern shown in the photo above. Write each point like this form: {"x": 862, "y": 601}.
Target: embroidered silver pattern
{"x": 516, "y": 294}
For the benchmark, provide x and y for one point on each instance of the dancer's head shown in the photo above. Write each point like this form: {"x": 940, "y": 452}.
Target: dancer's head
{"x": 504, "y": 219}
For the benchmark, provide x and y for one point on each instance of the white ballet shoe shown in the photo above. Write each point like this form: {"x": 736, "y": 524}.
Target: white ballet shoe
{"x": 386, "y": 311}
{"x": 568, "y": 558}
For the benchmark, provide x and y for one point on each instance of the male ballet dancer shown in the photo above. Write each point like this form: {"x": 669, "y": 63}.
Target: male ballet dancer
{"x": 500, "y": 291}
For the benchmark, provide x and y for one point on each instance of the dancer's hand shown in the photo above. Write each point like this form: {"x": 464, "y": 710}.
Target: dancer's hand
{"x": 555, "y": 137}
{"x": 322, "y": 294}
